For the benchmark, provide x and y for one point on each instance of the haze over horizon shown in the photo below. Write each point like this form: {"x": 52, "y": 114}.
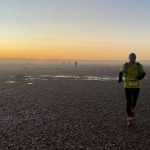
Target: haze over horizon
{"x": 89, "y": 30}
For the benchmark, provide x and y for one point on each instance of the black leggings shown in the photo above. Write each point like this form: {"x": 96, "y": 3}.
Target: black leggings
{"x": 131, "y": 96}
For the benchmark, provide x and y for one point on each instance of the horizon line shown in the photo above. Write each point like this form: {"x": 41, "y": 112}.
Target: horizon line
{"x": 67, "y": 59}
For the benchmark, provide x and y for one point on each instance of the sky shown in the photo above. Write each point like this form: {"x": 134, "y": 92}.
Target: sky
{"x": 74, "y": 29}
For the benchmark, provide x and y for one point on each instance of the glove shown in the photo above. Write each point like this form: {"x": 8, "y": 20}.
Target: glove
{"x": 140, "y": 77}
{"x": 120, "y": 77}
{"x": 120, "y": 80}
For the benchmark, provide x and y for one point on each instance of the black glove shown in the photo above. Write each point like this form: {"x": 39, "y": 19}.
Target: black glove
{"x": 120, "y": 80}
{"x": 140, "y": 77}
{"x": 120, "y": 77}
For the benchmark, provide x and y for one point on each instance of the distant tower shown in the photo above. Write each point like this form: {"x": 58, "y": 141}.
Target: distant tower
{"x": 76, "y": 64}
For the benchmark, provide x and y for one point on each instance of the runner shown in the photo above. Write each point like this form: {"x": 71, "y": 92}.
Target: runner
{"x": 134, "y": 72}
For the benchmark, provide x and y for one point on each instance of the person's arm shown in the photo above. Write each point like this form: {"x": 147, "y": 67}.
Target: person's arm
{"x": 143, "y": 74}
{"x": 120, "y": 77}
{"x": 121, "y": 74}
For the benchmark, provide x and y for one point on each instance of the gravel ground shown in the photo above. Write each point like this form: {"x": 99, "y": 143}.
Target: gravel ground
{"x": 72, "y": 115}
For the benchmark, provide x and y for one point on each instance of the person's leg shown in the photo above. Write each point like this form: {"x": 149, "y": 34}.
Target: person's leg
{"x": 135, "y": 95}
{"x": 128, "y": 93}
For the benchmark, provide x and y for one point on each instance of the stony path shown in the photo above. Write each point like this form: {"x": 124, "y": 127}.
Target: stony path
{"x": 71, "y": 115}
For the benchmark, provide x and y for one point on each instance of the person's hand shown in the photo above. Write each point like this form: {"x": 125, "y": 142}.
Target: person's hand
{"x": 120, "y": 77}
{"x": 139, "y": 77}
{"x": 120, "y": 80}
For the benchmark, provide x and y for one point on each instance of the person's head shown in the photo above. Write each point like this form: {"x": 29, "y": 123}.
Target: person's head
{"x": 132, "y": 57}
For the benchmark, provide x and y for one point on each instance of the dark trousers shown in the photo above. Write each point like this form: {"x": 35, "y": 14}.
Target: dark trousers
{"x": 131, "y": 96}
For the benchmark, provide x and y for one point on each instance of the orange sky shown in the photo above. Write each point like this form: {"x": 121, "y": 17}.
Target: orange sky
{"x": 97, "y": 51}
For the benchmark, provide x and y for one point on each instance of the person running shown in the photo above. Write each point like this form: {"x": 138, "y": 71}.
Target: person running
{"x": 76, "y": 64}
{"x": 134, "y": 72}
